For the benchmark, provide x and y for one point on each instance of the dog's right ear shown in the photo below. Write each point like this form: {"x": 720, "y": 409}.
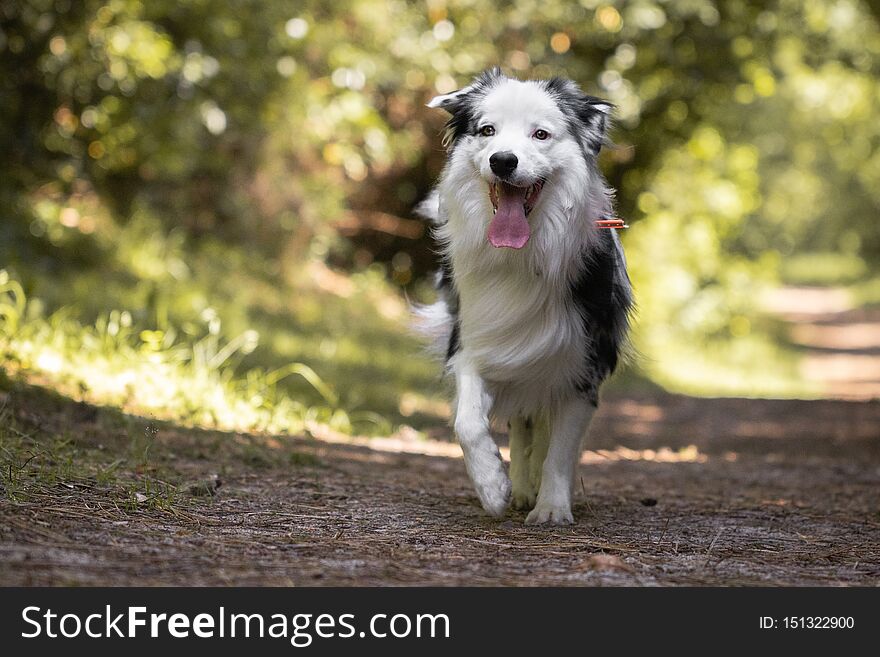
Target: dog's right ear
{"x": 451, "y": 100}
{"x": 460, "y": 105}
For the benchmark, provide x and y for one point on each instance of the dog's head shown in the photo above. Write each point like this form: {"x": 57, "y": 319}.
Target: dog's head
{"x": 517, "y": 135}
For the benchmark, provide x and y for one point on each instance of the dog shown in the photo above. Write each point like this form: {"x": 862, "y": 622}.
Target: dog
{"x": 534, "y": 300}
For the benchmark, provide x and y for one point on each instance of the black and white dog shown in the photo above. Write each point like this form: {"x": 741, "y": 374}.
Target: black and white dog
{"x": 534, "y": 297}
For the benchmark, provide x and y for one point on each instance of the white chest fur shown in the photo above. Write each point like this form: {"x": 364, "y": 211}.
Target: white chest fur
{"x": 523, "y": 335}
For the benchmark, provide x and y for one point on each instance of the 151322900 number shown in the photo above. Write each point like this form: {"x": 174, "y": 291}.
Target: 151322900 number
{"x": 818, "y": 622}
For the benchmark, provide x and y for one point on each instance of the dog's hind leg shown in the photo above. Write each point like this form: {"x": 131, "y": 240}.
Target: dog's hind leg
{"x": 540, "y": 445}
{"x": 567, "y": 433}
{"x": 524, "y": 493}
{"x": 481, "y": 456}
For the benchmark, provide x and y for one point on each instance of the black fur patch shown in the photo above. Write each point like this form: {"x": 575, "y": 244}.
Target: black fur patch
{"x": 454, "y": 340}
{"x": 446, "y": 287}
{"x": 602, "y": 297}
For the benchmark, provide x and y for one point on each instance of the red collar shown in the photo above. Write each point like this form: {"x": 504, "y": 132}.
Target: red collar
{"x": 611, "y": 223}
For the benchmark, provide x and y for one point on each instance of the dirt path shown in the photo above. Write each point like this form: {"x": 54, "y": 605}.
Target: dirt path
{"x": 675, "y": 491}
{"x": 840, "y": 344}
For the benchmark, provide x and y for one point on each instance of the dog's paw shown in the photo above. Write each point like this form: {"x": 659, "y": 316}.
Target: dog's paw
{"x": 523, "y": 497}
{"x": 490, "y": 480}
{"x": 555, "y": 514}
{"x": 494, "y": 493}
{"x": 524, "y": 493}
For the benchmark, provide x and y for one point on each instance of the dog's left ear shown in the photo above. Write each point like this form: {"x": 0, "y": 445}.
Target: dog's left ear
{"x": 593, "y": 113}
{"x": 589, "y": 114}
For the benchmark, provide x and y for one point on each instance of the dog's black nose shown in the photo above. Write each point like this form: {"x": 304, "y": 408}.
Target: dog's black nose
{"x": 503, "y": 163}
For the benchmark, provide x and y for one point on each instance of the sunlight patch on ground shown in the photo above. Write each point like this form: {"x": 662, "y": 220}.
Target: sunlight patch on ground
{"x": 806, "y": 300}
{"x": 689, "y": 454}
{"x": 412, "y": 402}
{"x": 857, "y": 335}
{"x": 409, "y": 441}
{"x": 638, "y": 410}
{"x": 406, "y": 440}
{"x": 842, "y": 367}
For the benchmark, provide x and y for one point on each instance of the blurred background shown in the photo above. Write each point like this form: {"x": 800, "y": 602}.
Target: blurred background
{"x": 206, "y": 207}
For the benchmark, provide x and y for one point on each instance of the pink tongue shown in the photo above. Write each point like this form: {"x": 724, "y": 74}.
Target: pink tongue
{"x": 509, "y": 226}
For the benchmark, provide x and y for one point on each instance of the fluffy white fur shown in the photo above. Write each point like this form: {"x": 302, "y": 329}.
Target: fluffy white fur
{"x": 523, "y": 343}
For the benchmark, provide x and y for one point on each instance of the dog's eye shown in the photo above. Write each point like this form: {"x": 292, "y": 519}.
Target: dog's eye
{"x": 487, "y": 130}
{"x": 541, "y": 135}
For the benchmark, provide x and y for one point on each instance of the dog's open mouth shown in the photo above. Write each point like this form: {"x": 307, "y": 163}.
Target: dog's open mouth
{"x": 512, "y": 204}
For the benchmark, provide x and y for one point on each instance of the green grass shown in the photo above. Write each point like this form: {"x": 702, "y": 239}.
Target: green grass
{"x": 866, "y": 293}
{"x": 36, "y": 461}
{"x": 52, "y": 448}
{"x": 224, "y": 342}
{"x": 160, "y": 373}
{"x": 750, "y": 366}
{"x": 823, "y": 269}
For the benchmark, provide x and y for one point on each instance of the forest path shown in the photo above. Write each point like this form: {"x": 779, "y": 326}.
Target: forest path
{"x": 673, "y": 491}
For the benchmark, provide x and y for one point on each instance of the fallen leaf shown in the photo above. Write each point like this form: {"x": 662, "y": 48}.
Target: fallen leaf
{"x": 604, "y": 562}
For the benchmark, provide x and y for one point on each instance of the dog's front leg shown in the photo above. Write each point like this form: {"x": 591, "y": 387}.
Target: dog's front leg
{"x": 567, "y": 428}
{"x": 481, "y": 456}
